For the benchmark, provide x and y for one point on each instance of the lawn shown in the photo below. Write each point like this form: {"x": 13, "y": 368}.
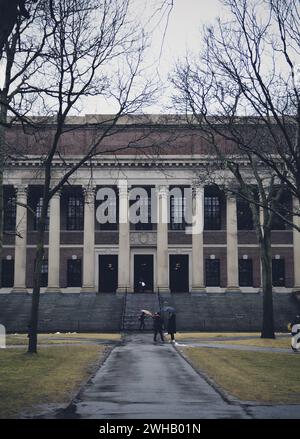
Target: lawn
{"x": 74, "y": 337}
{"x": 196, "y": 335}
{"x": 261, "y": 342}
{"x": 282, "y": 340}
{"x": 52, "y": 376}
{"x": 250, "y": 376}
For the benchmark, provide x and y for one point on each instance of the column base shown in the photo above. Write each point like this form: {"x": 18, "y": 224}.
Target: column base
{"x": 296, "y": 293}
{"x": 163, "y": 289}
{"x": 124, "y": 290}
{"x": 233, "y": 290}
{"x": 53, "y": 290}
{"x": 19, "y": 290}
{"x": 88, "y": 290}
{"x": 198, "y": 289}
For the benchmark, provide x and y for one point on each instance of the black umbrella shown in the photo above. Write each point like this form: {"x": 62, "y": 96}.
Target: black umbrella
{"x": 168, "y": 309}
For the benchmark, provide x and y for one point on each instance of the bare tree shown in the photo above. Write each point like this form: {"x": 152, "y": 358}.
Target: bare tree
{"x": 251, "y": 64}
{"x": 243, "y": 95}
{"x": 21, "y": 58}
{"x": 92, "y": 48}
{"x": 10, "y": 13}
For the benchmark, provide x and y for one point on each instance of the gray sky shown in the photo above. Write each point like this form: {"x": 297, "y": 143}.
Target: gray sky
{"x": 182, "y": 33}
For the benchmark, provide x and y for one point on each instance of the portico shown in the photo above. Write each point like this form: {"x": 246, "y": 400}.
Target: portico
{"x": 76, "y": 246}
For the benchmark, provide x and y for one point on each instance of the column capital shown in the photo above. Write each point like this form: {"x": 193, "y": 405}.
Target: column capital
{"x": 230, "y": 196}
{"x": 89, "y": 193}
{"x": 197, "y": 189}
{"x": 123, "y": 188}
{"x": 296, "y": 205}
{"x": 123, "y": 191}
{"x": 162, "y": 190}
{"x": 21, "y": 190}
{"x": 57, "y": 194}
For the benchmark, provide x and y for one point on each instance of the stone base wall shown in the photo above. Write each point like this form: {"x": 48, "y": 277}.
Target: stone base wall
{"x": 87, "y": 312}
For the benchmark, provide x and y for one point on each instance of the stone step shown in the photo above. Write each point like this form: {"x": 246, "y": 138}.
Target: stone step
{"x": 91, "y": 312}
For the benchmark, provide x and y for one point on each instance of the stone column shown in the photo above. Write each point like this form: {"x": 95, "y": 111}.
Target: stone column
{"x": 54, "y": 245}
{"x": 124, "y": 240}
{"x": 197, "y": 240}
{"x": 21, "y": 241}
{"x": 296, "y": 245}
{"x": 232, "y": 245}
{"x": 88, "y": 284}
{"x": 162, "y": 256}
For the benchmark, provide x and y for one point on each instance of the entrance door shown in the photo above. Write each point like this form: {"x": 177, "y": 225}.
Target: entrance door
{"x": 179, "y": 273}
{"x": 108, "y": 273}
{"x": 143, "y": 273}
{"x": 7, "y": 273}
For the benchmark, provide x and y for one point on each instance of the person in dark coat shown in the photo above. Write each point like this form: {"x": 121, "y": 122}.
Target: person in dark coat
{"x": 172, "y": 325}
{"x": 157, "y": 326}
{"x": 142, "y": 321}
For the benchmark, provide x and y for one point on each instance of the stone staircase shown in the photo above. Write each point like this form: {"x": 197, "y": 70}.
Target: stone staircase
{"x": 87, "y": 312}
{"x": 135, "y": 302}
{"x": 58, "y": 312}
{"x": 229, "y": 311}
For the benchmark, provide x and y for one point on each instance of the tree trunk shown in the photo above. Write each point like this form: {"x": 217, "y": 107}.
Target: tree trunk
{"x": 3, "y": 116}
{"x": 266, "y": 261}
{"x": 33, "y": 325}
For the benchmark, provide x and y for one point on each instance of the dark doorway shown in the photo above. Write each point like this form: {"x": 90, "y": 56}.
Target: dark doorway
{"x": 143, "y": 273}
{"x": 74, "y": 273}
{"x": 108, "y": 273}
{"x": 179, "y": 273}
{"x": 8, "y": 273}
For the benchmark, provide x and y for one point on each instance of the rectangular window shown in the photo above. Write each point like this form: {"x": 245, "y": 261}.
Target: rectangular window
{"x": 212, "y": 213}
{"x": 75, "y": 210}
{"x": 44, "y": 273}
{"x": 177, "y": 213}
{"x": 282, "y": 207}
{"x": 278, "y": 272}
{"x": 74, "y": 273}
{"x": 212, "y": 272}
{"x": 9, "y": 216}
{"x": 38, "y": 213}
{"x": 245, "y": 273}
{"x": 244, "y": 214}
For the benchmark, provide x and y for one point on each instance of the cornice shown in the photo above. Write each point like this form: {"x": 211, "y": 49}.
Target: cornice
{"x": 168, "y": 161}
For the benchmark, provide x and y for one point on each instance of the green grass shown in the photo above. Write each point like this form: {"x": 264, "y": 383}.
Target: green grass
{"x": 21, "y": 339}
{"x": 261, "y": 342}
{"x": 221, "y": 338}
{"x": 219, "y": 335}
{"x": 51, "y": 376}
{"x": 251, "y": 376}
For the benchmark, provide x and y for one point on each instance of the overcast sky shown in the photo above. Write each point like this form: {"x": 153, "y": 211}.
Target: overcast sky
{"x": 182, "y": 33}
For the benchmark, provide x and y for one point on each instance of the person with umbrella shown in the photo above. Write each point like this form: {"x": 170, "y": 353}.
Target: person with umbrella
{"x": 171, "y": 326}
{"x": 157, "y": 326}
{"x": 142, "y": 321}
{"x": 144, "y": 314}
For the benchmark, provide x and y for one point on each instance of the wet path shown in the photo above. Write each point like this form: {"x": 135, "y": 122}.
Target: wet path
{"x": 145, "y": 380}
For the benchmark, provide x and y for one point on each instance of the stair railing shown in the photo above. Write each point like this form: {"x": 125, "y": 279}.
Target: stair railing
{"x": 124, "y": 311}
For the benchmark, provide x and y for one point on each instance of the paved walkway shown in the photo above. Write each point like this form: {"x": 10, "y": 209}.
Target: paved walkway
{"x": 142, "y": 380}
